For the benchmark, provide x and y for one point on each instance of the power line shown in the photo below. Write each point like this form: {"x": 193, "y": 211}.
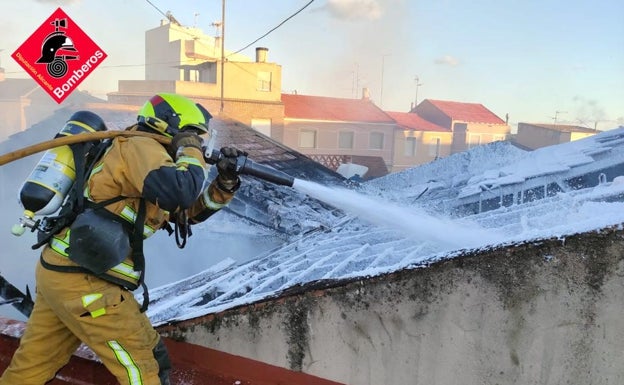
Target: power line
{"x": 279, "y": 25}
{"x": 156, "y": 8}
{"x": 176, "y": 62}
{"x": 169, "y": 16}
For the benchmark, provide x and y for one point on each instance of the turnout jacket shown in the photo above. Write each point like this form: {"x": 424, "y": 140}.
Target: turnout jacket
{"x": 140, "y": 168}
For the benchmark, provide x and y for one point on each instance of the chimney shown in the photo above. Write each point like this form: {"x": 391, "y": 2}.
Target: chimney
{"x": 365, "y": 93}
{"x": 261, "y": 54}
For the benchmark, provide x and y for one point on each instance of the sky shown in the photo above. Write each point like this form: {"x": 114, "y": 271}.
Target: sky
{"x": 534, "y": 60}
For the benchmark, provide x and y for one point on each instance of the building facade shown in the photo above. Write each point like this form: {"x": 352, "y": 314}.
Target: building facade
{"x": 183, "y": 60}
{"x": 535, "y": 135}
{"x": 333, "y": 130}
{"x": 471, "y": 124}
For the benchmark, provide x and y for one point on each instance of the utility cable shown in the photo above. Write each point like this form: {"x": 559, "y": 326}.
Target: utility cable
{"x": 279, "y": 25}
{"x": 233, "y": 53}
{"x": 155, "y": 7}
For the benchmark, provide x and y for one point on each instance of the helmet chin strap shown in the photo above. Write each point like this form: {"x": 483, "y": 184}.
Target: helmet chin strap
{"x": 158, "y": 125}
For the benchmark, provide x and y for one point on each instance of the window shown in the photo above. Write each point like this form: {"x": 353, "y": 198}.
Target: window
{"x": 474, "y": 140}
{"x": 345, "y": 139}
{"x": 376, "y": 140}
{"x": 264, "y": 81}
{"x": 191, "y": 75}
{"x": 434, "y": 148}
{"x": 410, "y": 146}
{"x": 307, "y": 139}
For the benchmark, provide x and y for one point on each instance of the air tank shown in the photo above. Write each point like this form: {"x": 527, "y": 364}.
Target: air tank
{"x": 46, "y": 187}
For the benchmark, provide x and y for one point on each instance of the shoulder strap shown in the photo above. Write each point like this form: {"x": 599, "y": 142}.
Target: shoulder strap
{"x": 136, "y": 242}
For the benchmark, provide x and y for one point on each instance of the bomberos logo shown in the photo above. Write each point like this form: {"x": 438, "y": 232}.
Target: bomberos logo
{"x": 59, "y": 55}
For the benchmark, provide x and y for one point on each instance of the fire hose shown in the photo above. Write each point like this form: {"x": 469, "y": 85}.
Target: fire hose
{"x": 244, "y": 165}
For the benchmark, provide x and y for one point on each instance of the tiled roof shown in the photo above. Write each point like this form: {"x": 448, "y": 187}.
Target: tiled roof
{"x": 565, "y": 128}
{"x": 412, "y": 121}
{"x": 332, "y": 109}
{"x": 468, "y": 112}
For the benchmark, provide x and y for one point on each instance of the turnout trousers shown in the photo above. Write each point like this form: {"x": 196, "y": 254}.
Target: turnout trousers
{"x": 71, "y": 308}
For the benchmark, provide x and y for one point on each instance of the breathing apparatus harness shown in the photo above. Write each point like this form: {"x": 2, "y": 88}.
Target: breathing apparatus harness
{"x": 76, "y": 203}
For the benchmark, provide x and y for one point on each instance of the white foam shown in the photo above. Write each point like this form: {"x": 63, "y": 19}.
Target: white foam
{"x": 412, "y": 221}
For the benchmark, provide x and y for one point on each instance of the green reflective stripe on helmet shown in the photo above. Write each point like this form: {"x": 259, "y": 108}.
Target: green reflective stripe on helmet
{"x": 125, "y": 359}
{"x": 169, "y": 114}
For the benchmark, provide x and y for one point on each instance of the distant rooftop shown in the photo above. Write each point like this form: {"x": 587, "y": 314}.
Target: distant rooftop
{"x": 411, "y": 121}
{"x": 468, "y": 112}
{"x": 564, "y": 127}
{"x": 333, "y": 109}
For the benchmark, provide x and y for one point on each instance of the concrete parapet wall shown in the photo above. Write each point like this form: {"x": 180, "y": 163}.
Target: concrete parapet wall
{"x": 549, "y": 312}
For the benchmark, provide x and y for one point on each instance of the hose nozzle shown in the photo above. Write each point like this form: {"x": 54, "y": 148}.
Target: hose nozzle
{"x": 246, "y": 166}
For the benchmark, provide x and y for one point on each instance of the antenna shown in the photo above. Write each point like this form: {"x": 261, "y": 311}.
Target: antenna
{"x": 195, "y": 19}
{"x": 217, "y": 25}
{"x": 418, "y": 84}
{"x": 554, "y": 118}
{"x": 172, "y": 19}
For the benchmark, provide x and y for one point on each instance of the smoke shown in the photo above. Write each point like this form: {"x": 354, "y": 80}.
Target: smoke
{"x": 588, "y": 111}
{"x": 367, "y": 31}
{"x": 355, "y": 9}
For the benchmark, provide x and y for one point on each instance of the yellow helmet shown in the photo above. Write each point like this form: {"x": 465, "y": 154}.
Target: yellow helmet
{"x": 169, "y": 114}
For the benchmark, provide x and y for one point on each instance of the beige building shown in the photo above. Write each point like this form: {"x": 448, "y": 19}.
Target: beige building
{"x": 333, "y": 130}
{"x": 472, "y": 124}
{"x": 183, "y": 60}
{"x": 536, "y": 135}
{"x": 418, "y": 141}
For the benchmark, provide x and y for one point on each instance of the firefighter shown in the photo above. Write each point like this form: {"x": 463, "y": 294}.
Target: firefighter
{"x": 88, "y": 270}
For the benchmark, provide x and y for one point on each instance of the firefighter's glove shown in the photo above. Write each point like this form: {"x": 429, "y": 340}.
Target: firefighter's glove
{"x": 226, "y": 166}
{"x": 184, "y": 139}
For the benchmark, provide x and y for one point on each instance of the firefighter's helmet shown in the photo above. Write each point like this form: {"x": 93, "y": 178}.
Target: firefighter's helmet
{"x": 169, "y": 114}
